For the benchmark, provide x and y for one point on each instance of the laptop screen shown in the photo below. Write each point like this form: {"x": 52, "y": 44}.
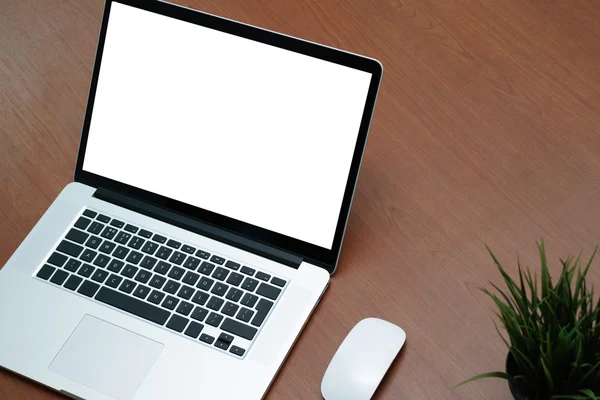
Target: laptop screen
{"x": 247, "y": 130}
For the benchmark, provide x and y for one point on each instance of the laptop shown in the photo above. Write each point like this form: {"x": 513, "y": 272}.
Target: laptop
{"x": 213, "y": 183}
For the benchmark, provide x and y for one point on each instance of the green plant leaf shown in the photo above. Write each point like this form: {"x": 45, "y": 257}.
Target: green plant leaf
{"x": 501, "y": 375}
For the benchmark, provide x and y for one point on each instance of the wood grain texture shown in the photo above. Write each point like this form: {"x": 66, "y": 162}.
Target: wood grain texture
{"x": 486, "y": 130}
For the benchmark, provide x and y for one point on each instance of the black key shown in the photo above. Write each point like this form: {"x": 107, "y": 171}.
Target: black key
{"x": 72, "y": 265}
{"x": 230, "y": 309}
{"x": 191, "y": 263}
{"x": 199, "y": 313}
{"x": 77, "y": 236}
{"x": 115, "y": 266}
{"x": 239, "y": 329}
{"x": 149, "y": 247}
{"x": 129, "y": 271}
{"x": 88, "y": 288}
{"x": 88, "y": 255}
{"x": 170, "y": 302}
{"x": 220, "y": 273}
{"x": 117, "y": 223}
{"x": 100, "y": 275}
{"x": 207, "y": 338}
{"x": 200, "y": 297}
{"x": 162, "y": 267}
{"x": 132, "y": 305}
{"x": 186, "y": 292}
{"x": 148, "y": 262}
{"x": 163, "y": 252}
{"x": 59, "y": 277}
{"x": 184, "y": 308}
{"x": 245, "y": 314}
{"x": 205, "y": 283}
{"x": 222, "y": 345}
{"x": 86, "y": 270}
{"x": 114, "y": 280}
{"x": 262, "y": 309}
{"x": 250, "y": 284}
{"x": 121, "y": 252}
{"x": 127, "y": 286}
{"x": 131, "y": 228}
{"x": 123, "y": 237}
{"x": 177, "y": 257}
{"x": 235, "y": 279}
{"x": 103, "y": 218}
{"x": 141, "y": 291}
{"x": 136, "y": 242}
{"x": 102, "y": 260}
{"x": 234, "y": 294}
{"x": 145, "y": 233}
{"x": 72, "y": 249}
{"x": 203, "y": 254}
{"x": 215, "y": 303}
{"x": 238, "y": 351}
{"x": 134, "y": 257}
{"x": 73, "y": 282}
{"x": 57, "y": 259}
{"x": 232, "y": 265}
{"x": 143, "y": 276}
{"x": 268, "y": 291}
{"x": 190, "y": 278}
{"x": 107, "y": 247}
{"x": 158, "y": 238}
{"x": 95, "y": 228}
{"x": 225, "y": 337}
{"x": 173, "y": 243}
{"x": 109, "y": 233}
{"x": 188, "y": 249}
{"x": 82, "y": 223}
{"x": 90, "y": 213}
{"x": 156, "y": 297}
{"x": 249, "y": 300}
{"x": 262, "y": 276}
{"x": 206, "y": 268}
{"x": 171, "y": 287}
{"x": 214, "y": 319}
{"x": 193, "y": 329}
{"x": 248, "y": 270}
{"x": 93, "y": 242}
{"x": 219, "y": 289}
{"x": 217, "y": 260}
{"x": 176, "y": 273}
{"x": 157, "y": 281}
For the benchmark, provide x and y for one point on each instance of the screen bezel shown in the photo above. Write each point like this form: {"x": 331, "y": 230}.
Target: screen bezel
{"x": 311, "y": 253}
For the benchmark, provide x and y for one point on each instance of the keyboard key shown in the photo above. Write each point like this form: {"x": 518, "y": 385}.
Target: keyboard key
{"x": 199, "y": 314}
{"x": 103, "y": 218}
{"x": 249, "y": 300}
{"x": 157, "y": 281}
{"x": 134, "y": 257}
{"x": 206, "y": 268}
{"x": 59, "y": 277}
{"x": 203, "y": 254}
{"x": 141, "y": 291}
{"x": 245, "y": 314}
{"x": 90, "y": 213}
{"x": 170, "y": 302}
{"x": 184, "y": 308}
{"x": 225, "y": 337}
{"x": 86, "y": 270}
{"x": 145, "y": 233}
{"x": 100, "y": 275}
{"x": 222, "y": 345}
{"x": 73, "y": 282}
{"x": 114, "y": 281}
{"x": 95, "y": 228}
{"x": 173, "y": 243}
{"x": 234, "y": 294}
{"x": 149, "y": 247}
{"x": 205, "y": 283}
{"x": 262, "y": 309}
{"x": 88, "y": 288}
{"x": 72, "y": 249}
{"x": 163, "y": 252}
{"x": 148, "y": 262}
{"x": 107, "y": 247}
{"x": 239, "y": 329}
{"x": 116, "y": 223}
{"x": 186, "y": 292}
{"x": 109, "y": 233}
{"x": 190, "y": 278}
{"x": 72, "y": 265}
{"x": 93, "y": 242}
{"x": 102, "y": 260}
{"x": 162, "y": 268}
{"x": 219, "y": 289}
{"x": 215, "y": 303}
{"x": 238, "y": 351}
{"x": 248, "y": 270}
{"x": 200, "y": 297}
{"x": 188, "y": 249}
{"x": 136, "y": 242}
{"x": 77, "y": 236}
{"x": 232, "y": 265}
{"x": 131, "y": 228}
{"x": 115, "y": 266}
{"x": 88, "y": 255}
{"x": 268, "y": 291}
{"x": 143, "y": 276}
{"x": 129, "y": 271}
{"x": 82, "y": 223}
{"x": 217, "y": 260}
{"x": 121, "y": 252}
{"x": 57, "y": 259}
{"x": 207, "y": 338}
{"x": 176, "y": 273}
{"x": 250, "y": 284}
{"x": 123, "y": 237}
{"x": 158, "y": 238}
{"x": 262, "y": 276}
{"x": 132, "y": 305}
{"x": 156, "y": 297}
{"x": 177, "y": 258}
{"x": 214, "y": 319}
{"x": 235, "y": 279}
{"x": 230, "y": 309}
{"x": 220, "y": 273}
{"x": 127, "y": 286}
{"x": 193, "y": 329}
{"x": 191, "y": 263}
{"x": 171, "y": 287}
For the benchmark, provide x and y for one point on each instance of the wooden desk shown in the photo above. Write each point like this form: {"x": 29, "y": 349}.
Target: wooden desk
{"x": 487, "y": 129}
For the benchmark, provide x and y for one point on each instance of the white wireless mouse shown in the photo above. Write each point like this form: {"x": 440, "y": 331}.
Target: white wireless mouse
{"x": 362, "y": 360}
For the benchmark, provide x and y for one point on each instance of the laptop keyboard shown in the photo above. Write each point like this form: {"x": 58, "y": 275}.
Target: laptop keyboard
{"x": 198, "y": 294}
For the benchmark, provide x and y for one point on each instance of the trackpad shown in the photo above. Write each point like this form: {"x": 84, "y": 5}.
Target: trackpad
{"x": 107, "y": 358}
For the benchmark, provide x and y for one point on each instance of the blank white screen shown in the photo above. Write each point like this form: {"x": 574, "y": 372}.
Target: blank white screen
{"x": 247, "y": 130}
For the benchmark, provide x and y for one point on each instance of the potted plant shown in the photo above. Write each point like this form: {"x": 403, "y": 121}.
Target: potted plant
{"x": 553, "y": 332}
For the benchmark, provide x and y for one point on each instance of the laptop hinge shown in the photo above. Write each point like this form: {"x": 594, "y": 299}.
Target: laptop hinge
{"x": 196, "y": 226}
